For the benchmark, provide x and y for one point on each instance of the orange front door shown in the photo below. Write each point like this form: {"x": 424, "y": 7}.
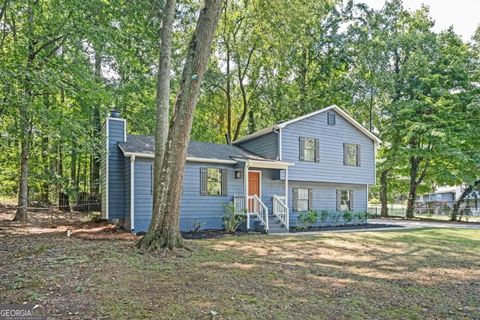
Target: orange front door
{"x": 253, "y": 188}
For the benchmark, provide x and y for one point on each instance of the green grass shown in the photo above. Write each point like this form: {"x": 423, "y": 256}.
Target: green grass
{"x": 404, "y": 274}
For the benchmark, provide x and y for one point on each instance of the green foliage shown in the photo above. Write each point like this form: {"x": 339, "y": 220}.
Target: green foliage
{"x": 194, "y": 225}
{"x": 414, "y": 87}
{"x": 307, "y": 219}
{"x": 335, "y": 217}
{"x": 347, "y": 216}
{"x": 323, "y": 216}
{"x": 232, "y": 219}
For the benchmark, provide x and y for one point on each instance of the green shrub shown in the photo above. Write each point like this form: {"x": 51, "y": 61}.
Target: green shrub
{"x": 306, "y": 219}
{"x": 374, "y": 201}
{"x": 361, "y": 217}
{"x": 336, "y": 217}
{"x": 231, "y": 219}
{"x": 194, "y": 225}
{"x": 347, "y": 216}
{"x": 323, "y": 216}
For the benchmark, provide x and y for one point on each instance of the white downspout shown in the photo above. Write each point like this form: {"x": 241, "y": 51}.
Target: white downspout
{"x": 245, "y": 186}
{"x": 286, "y": 198}
{"x": 132, "y": 193}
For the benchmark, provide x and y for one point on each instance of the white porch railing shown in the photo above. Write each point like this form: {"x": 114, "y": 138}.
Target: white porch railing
{"x": 280, "y": 210}
{"x": 258, "y": 208}
{"x": 239, "y": 204}
{"x": 255, "y": 208}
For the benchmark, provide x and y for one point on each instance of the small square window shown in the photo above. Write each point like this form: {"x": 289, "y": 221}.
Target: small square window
{"x": 331, "y": 118}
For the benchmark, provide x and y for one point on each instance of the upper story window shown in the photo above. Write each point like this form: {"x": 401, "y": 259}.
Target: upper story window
{"x": 213, "y": 182}
{"x": 309, "y": 149}
{"x": 351, "y": 154}
{"x": 331, "y": 118}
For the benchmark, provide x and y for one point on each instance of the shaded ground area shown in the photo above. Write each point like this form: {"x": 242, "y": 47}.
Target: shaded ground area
{"x": 96, "y": 273}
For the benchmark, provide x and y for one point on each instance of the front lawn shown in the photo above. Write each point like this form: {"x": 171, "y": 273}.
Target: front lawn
{"x": 422, "y": 273}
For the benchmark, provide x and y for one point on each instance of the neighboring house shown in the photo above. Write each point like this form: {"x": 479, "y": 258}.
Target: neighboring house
{"x": 446, "y": 197}
{"x": 324, "y": 160}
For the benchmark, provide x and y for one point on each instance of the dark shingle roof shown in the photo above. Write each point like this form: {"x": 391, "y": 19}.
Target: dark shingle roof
{"x": 146, "y": 145}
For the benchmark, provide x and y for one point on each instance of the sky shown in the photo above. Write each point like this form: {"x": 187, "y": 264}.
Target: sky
{"x": 464, "y": 15}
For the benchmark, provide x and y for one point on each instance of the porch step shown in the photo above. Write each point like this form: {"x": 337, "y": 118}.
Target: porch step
{"x": 275, "y": 225}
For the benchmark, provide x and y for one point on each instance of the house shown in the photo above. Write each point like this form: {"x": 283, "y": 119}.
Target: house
{"x": 446, "y": 196}
{"x": 324, "y": 160}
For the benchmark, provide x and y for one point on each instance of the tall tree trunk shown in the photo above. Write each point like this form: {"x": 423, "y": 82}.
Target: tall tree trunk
{"x": 228, "y": 88}
{"x": 45, "y": 193}
{"x": 415, "y": 179}
{"x": 384, "y": 193}
{"x": 162, "y": 100}
{"x": 164, "y": 229}
{"x": 25, "y": 125}
{"x": 251, "y": 122}
{"x": 95, "y": 157}
{"x": 461, "y": 199}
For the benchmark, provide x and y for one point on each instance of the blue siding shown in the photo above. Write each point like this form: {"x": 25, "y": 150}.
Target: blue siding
{"x": 143, "y": 193}
{"x": 265, "y": 145}
{"x": 330, "y": 168}
{"x": 116, "y": 170}
{"x": 324, "y": 194}
{"x": 325, "y": 197}
{"x": 208, "y": 210}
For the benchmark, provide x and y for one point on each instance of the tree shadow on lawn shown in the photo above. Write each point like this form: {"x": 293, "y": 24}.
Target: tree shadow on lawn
{"x": 421, "y": 273}
{"x": 409, "y": 274}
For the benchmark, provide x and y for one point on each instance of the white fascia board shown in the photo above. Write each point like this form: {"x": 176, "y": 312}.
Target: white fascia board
{"x": 354, "y": 122}
{"x": 191, "y": 159}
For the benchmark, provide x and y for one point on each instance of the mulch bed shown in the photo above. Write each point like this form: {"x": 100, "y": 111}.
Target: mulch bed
{"x": 348, "y": 227}
{"x": 214, "y": 234}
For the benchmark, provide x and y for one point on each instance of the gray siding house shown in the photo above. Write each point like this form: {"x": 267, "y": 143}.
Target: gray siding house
{"x": 324, "y": 160}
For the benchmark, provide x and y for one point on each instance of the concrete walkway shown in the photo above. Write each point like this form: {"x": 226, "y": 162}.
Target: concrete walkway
{"x": 403, "y": 224}
{"x": 426, "y": 224}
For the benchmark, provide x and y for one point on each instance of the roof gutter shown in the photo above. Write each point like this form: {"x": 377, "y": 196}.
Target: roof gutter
{"x": 191, "y": 159}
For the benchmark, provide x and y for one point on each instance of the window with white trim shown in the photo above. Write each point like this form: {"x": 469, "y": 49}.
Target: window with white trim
{"x": 345, "y": 200}
{"x": 302, "y": 199}
{"x": 351, "y": 154}
{"x": 213, "y": 182}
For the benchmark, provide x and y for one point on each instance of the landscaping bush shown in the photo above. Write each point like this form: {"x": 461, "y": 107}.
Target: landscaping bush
{"x": 347, "y": 216}
{"x": 194, "y": 225}
{"x": 323, "y": 216}
{"x": 231, "y": 219}
{"x": 336, "y": 217}
{"x": 307, "y": 219}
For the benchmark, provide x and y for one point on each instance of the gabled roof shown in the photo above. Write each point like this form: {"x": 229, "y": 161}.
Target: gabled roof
{"x": 145, "y": 146}
{"x": 354, "y": 122}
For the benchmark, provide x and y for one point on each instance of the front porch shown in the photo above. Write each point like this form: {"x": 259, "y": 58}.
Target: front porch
{"x": 266, "y": 203}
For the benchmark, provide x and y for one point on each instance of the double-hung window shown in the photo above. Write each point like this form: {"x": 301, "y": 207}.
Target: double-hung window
{"x": 351, "y": 154}
{"x": 309, "y": 149}
{"x": 344, "y": 200}
{"x": 302, "y": 199}
{"x": 213, "y": 181}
